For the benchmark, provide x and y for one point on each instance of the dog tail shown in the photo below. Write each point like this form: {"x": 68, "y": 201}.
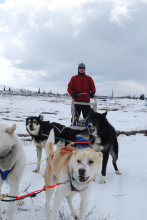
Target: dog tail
{"x": 49, "y": 147}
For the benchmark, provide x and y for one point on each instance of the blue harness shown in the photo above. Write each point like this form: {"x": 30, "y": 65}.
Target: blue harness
{"x": 5, "y": 173}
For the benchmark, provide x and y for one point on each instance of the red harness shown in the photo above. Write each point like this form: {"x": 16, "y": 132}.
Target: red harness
{"x": 65, "y": 148}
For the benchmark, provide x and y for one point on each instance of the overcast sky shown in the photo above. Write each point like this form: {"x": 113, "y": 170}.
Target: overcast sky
{"x": 42, "y": 42}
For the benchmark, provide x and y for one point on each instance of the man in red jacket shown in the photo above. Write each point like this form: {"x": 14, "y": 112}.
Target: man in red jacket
{"x": 81, "y": 83}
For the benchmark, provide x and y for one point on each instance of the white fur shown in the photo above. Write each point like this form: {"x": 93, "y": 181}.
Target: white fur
{"x": 7, "y": 140}
{"x": 40, "y": 144}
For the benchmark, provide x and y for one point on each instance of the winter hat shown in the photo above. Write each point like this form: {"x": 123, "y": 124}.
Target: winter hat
{"x": 81, "y": 65}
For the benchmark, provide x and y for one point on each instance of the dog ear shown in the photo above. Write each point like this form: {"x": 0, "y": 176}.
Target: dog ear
{"x": 100, "y": 154}
{"x": 91, "y": 111}
{"x": 11, "y": 130}
{"x": 41, "y": 117}
{"x": 105, "y": 114}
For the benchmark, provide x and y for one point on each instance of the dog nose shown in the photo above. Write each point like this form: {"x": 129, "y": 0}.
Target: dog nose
{"x": 89, "y": 126}
{"x": 31, "y": 126}
{"x": 82, "y": 172}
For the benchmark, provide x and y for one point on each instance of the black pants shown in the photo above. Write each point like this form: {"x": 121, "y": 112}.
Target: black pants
{"x": 82, "y": 108}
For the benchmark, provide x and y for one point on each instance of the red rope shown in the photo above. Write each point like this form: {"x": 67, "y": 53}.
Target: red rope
{"x": 84, "y": 142}
{"x": 22, "y": 197}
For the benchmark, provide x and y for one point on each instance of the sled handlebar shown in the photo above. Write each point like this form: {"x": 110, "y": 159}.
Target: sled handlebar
{"x": 84, "y": 93}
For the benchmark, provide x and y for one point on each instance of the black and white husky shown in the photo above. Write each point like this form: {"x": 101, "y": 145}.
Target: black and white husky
{"x": 12, "y": 163}
{"x": 103, "y": 138}
{"x": 39, "y": 130}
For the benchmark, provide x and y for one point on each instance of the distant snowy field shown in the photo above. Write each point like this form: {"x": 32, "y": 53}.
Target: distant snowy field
{"x": 122, "y": 197}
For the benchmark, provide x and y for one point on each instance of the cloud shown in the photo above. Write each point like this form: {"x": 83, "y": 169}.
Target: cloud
{"x": 47, "y": 39}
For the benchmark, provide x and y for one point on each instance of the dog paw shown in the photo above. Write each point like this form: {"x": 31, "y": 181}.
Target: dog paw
{"x": 102, "y": 180}
{"x": 75, "y": 217}
{"x": 20, "y": 203}
{"x": 36, "y": 170}
{"x": 118, "y": 172}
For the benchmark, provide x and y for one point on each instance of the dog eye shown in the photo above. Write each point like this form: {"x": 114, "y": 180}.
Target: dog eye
{"x": 78, "y": 161}
{"x": 35, "y": 121}
{"x": 91, "y": 161}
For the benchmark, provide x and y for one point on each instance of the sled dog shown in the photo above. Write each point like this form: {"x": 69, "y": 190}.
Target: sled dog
{"x": 68, "y": 163}
{"x": 12, "y": 163}
{"x": 39, "y": 130}
{"x": 103, "y": 138}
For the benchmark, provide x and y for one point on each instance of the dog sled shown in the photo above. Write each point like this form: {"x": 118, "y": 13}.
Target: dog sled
{"x": 80, "y": 123}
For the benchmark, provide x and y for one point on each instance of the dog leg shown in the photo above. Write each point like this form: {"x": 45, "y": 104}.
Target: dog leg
{"x": 84, "y": 201}
{"x": 104, "y": 166}
{"x": 13, "y": 192}
{"x": 115, "y": 167}
{"x": 49, "y": 192}
{"x": 73, "y": 211}
{"x": 39, "y": 153}
{"x": 61, "y": 193}
{"x": 114, "y": 154}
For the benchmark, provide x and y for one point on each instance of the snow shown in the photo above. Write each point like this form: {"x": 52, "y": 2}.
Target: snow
{"x": 122, "y": 197}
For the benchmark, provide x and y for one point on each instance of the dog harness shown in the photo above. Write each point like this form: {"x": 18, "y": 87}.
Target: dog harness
{"x": 65, "y": 148}
{"x": 5, "y": 173}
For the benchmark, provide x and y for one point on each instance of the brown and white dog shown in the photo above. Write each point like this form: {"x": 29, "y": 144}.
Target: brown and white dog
{"x": 68, "y": 163}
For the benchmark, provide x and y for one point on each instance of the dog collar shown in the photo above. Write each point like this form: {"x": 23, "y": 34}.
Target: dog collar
{"x": 7, "y": 153}
{"x": 72, "y": 187}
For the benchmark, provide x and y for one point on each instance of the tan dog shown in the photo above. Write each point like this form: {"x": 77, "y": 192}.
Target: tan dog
{"x": 66, "y": 163}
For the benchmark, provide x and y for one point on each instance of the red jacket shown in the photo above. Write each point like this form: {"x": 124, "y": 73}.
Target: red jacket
{"x": 81, "y": 84}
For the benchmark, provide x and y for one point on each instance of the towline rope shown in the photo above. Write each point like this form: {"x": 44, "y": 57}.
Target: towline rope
{"x": 32, "y": 194}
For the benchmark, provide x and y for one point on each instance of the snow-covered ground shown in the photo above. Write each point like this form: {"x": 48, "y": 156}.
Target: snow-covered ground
{"x": 122, "y": 197}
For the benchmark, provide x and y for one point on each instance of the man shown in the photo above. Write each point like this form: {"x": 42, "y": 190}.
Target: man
{"x": 81, "y": 83}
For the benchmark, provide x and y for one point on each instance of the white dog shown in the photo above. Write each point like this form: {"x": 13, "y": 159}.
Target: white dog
{"x": 12, "y": 163}
{"x": 66, "y": 163}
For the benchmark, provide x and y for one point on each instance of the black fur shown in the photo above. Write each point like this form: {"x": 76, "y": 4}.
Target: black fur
{"x": 105, "y": 134}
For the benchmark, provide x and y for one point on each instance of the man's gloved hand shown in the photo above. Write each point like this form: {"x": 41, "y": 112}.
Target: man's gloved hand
{"x": 74, "y": 96}
{"x": 91, "y": 94}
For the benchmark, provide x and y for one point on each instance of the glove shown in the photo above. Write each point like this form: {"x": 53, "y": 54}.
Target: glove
{"x": 74, "y": 96}
{"x": 91, "y": 94}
